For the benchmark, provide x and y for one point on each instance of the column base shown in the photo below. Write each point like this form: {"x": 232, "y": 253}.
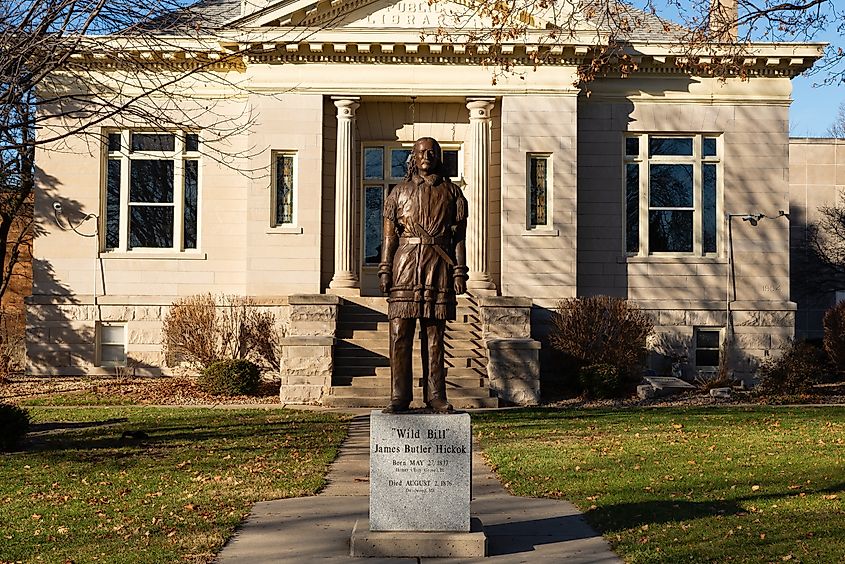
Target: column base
{"x": 481, "y": 286}
{"x": 344, "y": 292}
{"x": 482, "y": 291}
{"x": 344, "y": 283}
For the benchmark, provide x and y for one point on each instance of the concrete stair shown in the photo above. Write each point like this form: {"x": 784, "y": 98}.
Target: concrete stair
{"x": 362, "y": 363}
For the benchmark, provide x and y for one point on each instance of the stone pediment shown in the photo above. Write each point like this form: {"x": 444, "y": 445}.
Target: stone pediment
{"x": 367, "y": 14}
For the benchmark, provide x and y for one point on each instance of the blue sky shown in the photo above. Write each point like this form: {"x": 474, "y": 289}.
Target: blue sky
{"x": 814, "y": 108}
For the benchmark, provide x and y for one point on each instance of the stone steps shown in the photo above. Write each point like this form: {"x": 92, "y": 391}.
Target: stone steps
{"x": 477, "y": 382}
{"x": 380, "y": 402}
{"x": 362, "y": 365}
{"x": 384, "y": 391}
{"x": 376, "y": 334}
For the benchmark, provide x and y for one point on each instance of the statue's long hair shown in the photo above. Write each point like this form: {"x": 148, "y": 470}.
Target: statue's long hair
{"x": 412, "y": 164}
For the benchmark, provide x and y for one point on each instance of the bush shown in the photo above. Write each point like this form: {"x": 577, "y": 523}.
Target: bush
{"x": 233, "y": 377}
{"x": 834, "y": 335}
{"x": 795, "y": 371}
{"x": 12, "y": 345}
{"x": 14, "y": 424}
{"x": 600, "y": 381}
{"x": 606, "y": 340}
{"x": 205, "y": 329}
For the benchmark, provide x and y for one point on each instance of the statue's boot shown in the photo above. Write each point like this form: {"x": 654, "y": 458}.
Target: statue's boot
{"x": 441, "y": 406}
{"x": 396, "y": 407}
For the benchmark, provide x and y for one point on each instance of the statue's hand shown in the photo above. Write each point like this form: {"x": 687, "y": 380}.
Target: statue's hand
{"x": 384, "y": 282}
{"x": 460, "y": 285}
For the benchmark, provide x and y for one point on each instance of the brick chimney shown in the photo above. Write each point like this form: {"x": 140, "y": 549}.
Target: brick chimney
{"x": 723, "y": 20}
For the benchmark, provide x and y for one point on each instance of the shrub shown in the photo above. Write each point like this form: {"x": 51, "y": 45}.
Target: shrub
{"x": 12, "y": 346}
{"x": 795, "y": 371}
{"x": 14, "y": 424}
{"x": 834, "y": 335}
{"x": 233, "y": 377}
{"x": 205, "y": 329}
{"x": 602, "y": 331}
{"x": 601, "y": 381}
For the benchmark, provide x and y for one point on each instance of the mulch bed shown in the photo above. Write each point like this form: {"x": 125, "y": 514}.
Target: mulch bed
{"x": 169, "y": 390}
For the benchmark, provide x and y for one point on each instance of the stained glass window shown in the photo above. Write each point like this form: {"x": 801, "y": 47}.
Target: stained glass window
{"x": 284, "y": 189}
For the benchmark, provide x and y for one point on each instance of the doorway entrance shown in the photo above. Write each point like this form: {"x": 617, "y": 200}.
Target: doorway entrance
{"x": 384, "y": 165}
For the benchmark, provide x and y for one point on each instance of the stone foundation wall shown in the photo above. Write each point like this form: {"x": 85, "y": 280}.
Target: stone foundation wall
{"x": 61, "y": 334}
{"x": 759, "y": 330}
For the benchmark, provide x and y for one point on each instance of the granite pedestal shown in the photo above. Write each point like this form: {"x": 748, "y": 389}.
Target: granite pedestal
{"x": 420, "y": 488}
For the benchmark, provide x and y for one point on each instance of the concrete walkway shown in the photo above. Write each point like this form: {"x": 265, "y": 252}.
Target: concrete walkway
{"x": 317, "y": 529}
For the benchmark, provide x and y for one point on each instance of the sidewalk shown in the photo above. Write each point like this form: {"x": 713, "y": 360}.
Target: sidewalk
{"x": 317, "y": 529}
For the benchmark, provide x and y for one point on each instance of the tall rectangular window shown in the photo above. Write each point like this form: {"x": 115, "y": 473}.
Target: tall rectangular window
{"x": 384, "y": 165}
{"x": 285, "y": 186}
{"x": 538, "y": 190}
{"x": 151, "y": 190}
{"x": 671, "y": 194}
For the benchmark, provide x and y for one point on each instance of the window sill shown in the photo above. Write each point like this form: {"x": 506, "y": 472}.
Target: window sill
{"x": 541, "y": 232}
{"x": 284, "y": 230}
{"x": 676, "y": 259}
{"x": 144, "y": 255}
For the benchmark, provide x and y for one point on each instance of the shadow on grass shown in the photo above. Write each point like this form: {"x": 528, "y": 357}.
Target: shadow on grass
{"x": 116, "y": 438}
{"x": 622, "y": 516}
{"x": 525, "y": 536}
{"x": 57, "y": 427}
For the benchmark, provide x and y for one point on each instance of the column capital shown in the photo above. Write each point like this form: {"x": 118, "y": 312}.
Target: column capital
{"x": 479, "y": 108}
{"x": 346, "y": 106}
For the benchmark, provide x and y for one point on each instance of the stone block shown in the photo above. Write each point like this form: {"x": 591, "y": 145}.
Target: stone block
{"x": 301, "y": 394}
{"x": 668, "y": 384}
{"x": 513, "y": 368}
{"x": 420, "y": 472}
{"x": 505, "y": 317}
{"x": 753, "y": 340}
{"x": 312, "y": 328}
{"x": 413, "y": 544}
{"x": 314, "y": 299}
{"x": 148, "y": 332}
{"x": 706, "y": 318}
{"x": 671, "y": 317}
{"x": 305, "y": 366}
{"x": 777, "y": 318}
{"x": 720, "y": 393}
{"x": 313, "y": 313}
{"x": 645, "y": 392}
{"x": 116, "y": 313}
{"x": 72, "y": 333}
{"x": 148, "y": 313}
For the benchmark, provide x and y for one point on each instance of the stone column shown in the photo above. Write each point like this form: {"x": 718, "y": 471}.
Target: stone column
{"x": 345, "y": 279}
{"x": 479, "y": 149}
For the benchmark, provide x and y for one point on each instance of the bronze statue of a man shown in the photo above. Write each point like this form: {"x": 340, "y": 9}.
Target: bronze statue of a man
{"x": 423, "y": 267}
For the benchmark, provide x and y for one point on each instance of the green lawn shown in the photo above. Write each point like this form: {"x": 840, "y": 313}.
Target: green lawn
{"x": 83, "y": 493}
{"x": 758, "y": 484}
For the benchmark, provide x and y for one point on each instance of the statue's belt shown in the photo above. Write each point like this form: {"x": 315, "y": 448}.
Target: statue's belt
{"x": 434, "y": 242}
{"x": 425, "y": 240}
